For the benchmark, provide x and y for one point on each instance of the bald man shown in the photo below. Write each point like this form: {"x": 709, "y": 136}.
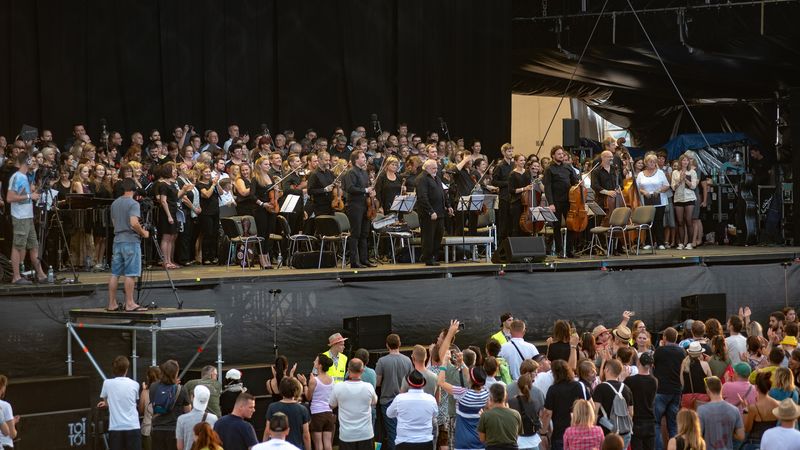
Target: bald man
{"x": 432, "y": 207}
{"x": 606, "y": 180}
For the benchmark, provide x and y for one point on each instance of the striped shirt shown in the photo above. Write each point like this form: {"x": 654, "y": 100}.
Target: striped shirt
{"x": 470, "y": 402}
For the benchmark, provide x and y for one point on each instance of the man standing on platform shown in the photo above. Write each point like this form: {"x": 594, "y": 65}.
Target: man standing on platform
{"x": 500, "y": 177}
{"x": 21, "y": 197}
{"x": 391, "y": 370}
{"x": 357, "y": 187}
{"x": 336, "y": 347}
{"x": 126, "y": 259}
{"x": 558, "y": 179}
{"x": 432, "y": 206}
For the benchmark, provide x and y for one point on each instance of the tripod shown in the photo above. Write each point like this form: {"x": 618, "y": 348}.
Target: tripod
{"x": 148, "y": 225}
{"x": 48, "y": 202}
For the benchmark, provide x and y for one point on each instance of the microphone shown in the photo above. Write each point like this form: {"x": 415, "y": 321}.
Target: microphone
{"x": 264, "y": 129}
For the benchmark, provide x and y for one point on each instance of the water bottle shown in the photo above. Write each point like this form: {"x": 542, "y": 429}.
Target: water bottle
{"x": 51, "y": 278}
{"x": 22, "y": 268}
{"x": 280, "y": 259}
{"x": 88, "y": 263}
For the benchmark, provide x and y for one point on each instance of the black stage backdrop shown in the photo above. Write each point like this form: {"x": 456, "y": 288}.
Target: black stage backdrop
{"x": 145, "y": 64}
{"x": 33, "y": 337}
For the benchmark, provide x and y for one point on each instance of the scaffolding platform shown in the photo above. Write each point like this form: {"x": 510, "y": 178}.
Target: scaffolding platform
{"x": 152, "y": 321}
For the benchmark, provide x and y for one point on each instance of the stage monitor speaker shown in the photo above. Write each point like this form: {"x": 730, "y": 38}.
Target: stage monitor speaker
{"x": 704, "y": 307}
{"x": 521, "y": 249}
{"x": 571, "y": 132}
{"x": 367, "y": 332}
{"x": 37, "y": 395}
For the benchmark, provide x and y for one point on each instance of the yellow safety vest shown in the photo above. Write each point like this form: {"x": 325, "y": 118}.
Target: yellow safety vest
{"x": 337, "y": 371}
{"x": 500, "y": 337}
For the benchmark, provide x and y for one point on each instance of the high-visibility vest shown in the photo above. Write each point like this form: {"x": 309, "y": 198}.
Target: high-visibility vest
{"x": 500, "y": 337}
{"x": 337, "y": 371}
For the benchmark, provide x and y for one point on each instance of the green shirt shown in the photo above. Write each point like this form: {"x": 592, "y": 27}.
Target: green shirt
{"x": 214, "y": 388}
{"x": 501, "y": 426}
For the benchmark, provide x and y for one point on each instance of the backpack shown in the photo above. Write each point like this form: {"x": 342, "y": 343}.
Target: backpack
{"x": 619, "y": 421}
{"x": 165, "y": 397}
{"x": 531, "y": 424}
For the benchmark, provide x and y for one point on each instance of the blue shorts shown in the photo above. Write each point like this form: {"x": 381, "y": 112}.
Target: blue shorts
{"x": 126, "y": 259}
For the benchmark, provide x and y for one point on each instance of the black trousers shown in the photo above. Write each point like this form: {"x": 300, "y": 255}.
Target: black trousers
{"x": 358, "y": 244}
{"x": 125, "y": 440}
{"x": 502, "y": 220}
{"x": 465, "y": 219}
{"x": 644, "y": 436}
{"x": 265, "y": 224}
{"x": 658, "y": 226}
{"x": 562, "y": 208}
{"x": 514, "y": 213}
{"x": 209, "y": 225}
{"x": 186, "y": 239}
{"x": 432, "y": 232}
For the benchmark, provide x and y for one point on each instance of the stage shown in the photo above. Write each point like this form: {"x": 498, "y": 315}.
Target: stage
{"x": 420, "y": 299}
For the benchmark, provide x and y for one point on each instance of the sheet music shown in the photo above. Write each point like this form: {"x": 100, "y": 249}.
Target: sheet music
{"x": 290, "y": 203}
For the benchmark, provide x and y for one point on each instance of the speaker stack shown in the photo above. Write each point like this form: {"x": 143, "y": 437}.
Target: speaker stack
{"x": 367, "y": 332}
{"x": 571, "y": 133}
{"x": 521, "y": 249}
{"x": 704, "y": 307}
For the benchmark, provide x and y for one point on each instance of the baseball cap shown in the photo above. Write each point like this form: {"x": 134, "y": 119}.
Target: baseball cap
{"x": 201, "y": 396}
{"x": 233, "y": 374}
{"x": 742, "y": 369}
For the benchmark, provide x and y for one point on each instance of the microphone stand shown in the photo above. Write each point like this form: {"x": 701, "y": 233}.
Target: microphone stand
{"x": 274, "y": 294}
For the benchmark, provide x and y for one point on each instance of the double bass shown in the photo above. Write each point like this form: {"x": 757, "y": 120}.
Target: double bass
{"x": 530, "y": 200}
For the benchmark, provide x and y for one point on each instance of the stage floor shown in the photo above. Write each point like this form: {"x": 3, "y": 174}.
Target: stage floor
{"x": 197, "y": 276}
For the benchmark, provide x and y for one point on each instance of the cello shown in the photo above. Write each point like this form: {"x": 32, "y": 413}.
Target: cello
{"x": 631, "y": 198}
{"x": 530, "y": 200}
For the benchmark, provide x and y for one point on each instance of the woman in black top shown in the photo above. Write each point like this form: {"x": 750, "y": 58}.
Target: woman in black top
{"x": 293, "y": 184}
{"x": 559, "y": 347}
{"x": 389, "y": 185}
{"x": 167, "y": 195}
{"x": 190, "y": 204}
{"x": 242, "y": 190}
{"x": 519, "y": 183}
{"x": 101, "y": 182}
{"x": 265, "y": 213}
{"x": 64, "y": 184}
{"x": 693, "y": 374}
{"x": 208, "y": 221}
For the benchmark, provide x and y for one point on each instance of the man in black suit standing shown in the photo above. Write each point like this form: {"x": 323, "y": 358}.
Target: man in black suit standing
{"x": 432, "y": 205}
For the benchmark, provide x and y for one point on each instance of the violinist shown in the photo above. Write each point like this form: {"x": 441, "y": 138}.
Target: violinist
{"x": 558, "y": 179}
{"x": 388, "y": 185}
{"x": 357, "y": 187}
{"x": 500, "y": 179}
{"x": 465, "y": 180}
{"x": 519, "y": 184}
{"x": 294, "y": 184}
{"x": 605, "y": 183}
{"x": 535, "y": 173}
{"x": 275, "y": 166}
{"x": 320, "y": 186}
{"x": 266, "y": 192}
{"x": 413, "y": 168}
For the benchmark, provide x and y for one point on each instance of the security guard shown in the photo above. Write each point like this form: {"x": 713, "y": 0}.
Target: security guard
{"x": 504, "y": 335}
{"x": 339, "y": 368}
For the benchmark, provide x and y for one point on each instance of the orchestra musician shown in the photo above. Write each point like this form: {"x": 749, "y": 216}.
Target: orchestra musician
{"x": 432, "y": 207}
{"x": 320, "y": 186}
{"x": 558, "y": 179}
{"x": 357, "y": 187}
{"x": 519, "y": 184}
{"x": 500, "y": 179}
{"x": 294, "y": 184}
{"x": 606, "y": 181}
{"x": 266, "y": 213}
{"x": 389, "y": 185}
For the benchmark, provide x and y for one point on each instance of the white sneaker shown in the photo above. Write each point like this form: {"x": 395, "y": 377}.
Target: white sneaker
{"x": 679, "y": 247}
{"x": 646, "y": 247}
{"x": 688, "y": 247}
{"x": 661, "y": 247}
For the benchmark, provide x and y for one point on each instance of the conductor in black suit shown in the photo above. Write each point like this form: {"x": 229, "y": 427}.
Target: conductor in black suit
{"x": 432, "y": 206}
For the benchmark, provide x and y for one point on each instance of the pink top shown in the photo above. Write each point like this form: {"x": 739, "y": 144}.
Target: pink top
{"x": 583, "y": 438}
{"x": 732, "y": 389}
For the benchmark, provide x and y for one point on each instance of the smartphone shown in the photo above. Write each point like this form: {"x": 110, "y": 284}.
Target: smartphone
{"x": 461, "y": 326}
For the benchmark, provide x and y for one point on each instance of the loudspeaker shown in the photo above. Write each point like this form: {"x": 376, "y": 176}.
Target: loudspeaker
{"x": 520, "y": 249}
{"x": 367, "y": 331}
{"x": 310, "y": 260}
{"x": 45, "y": 394}
{"x": 58, "y": 430}
{"x": 704, "y": 307}
{"x": 571, "y": 132}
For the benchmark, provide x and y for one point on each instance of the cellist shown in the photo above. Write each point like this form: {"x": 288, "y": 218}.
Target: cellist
{"x": 559, "y": 177}
{"x": 606, "y": 182}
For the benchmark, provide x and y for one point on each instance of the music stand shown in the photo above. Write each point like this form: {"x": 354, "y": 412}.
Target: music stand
{"x": 289, "y": 203}
{"x": 403, "y": 203}
{"x": 594, "y": 211}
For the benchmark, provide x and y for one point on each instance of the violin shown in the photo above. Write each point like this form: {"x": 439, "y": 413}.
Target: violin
{"x": 337, "y": 204}
{"x": 372, "y": 200}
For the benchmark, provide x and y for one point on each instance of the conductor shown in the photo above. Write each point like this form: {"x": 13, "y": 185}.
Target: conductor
{"x": 126, "y": 259}
{"x": 432, "y": 205}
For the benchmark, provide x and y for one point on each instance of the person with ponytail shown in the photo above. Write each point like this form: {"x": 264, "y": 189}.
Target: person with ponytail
{"x": 528, "y": 402}
{"x": 205, "y": 438}
{"x": 469, "y": 402}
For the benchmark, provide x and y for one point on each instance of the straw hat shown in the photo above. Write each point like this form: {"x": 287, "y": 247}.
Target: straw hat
{"x": 336, "y": 338}
{"x": 787, "y": 410}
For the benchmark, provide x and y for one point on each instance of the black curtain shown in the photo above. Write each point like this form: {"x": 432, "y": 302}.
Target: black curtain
{"x": 144, "y": 64}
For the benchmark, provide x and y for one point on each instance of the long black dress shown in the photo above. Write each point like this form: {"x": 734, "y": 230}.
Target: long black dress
{"x": 516, "y": 181}
{"x": 265, "y": 220}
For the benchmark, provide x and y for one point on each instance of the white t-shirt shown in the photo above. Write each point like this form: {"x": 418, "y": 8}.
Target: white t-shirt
{"x": 355, "y": 400}
{"x": 514, "y": 352}
{"x": 543, "y": 381}
{"x": 121, "y": 394}
{"x": 274, "y": 444}
{"x": 19, "y": 184}
{"x": 737, "y": 344}
{"x": 414, "y": 411}
{"x": 780, "y": 438}
{"x": 654, "y": 184}
{"x": 8, "y": 414}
